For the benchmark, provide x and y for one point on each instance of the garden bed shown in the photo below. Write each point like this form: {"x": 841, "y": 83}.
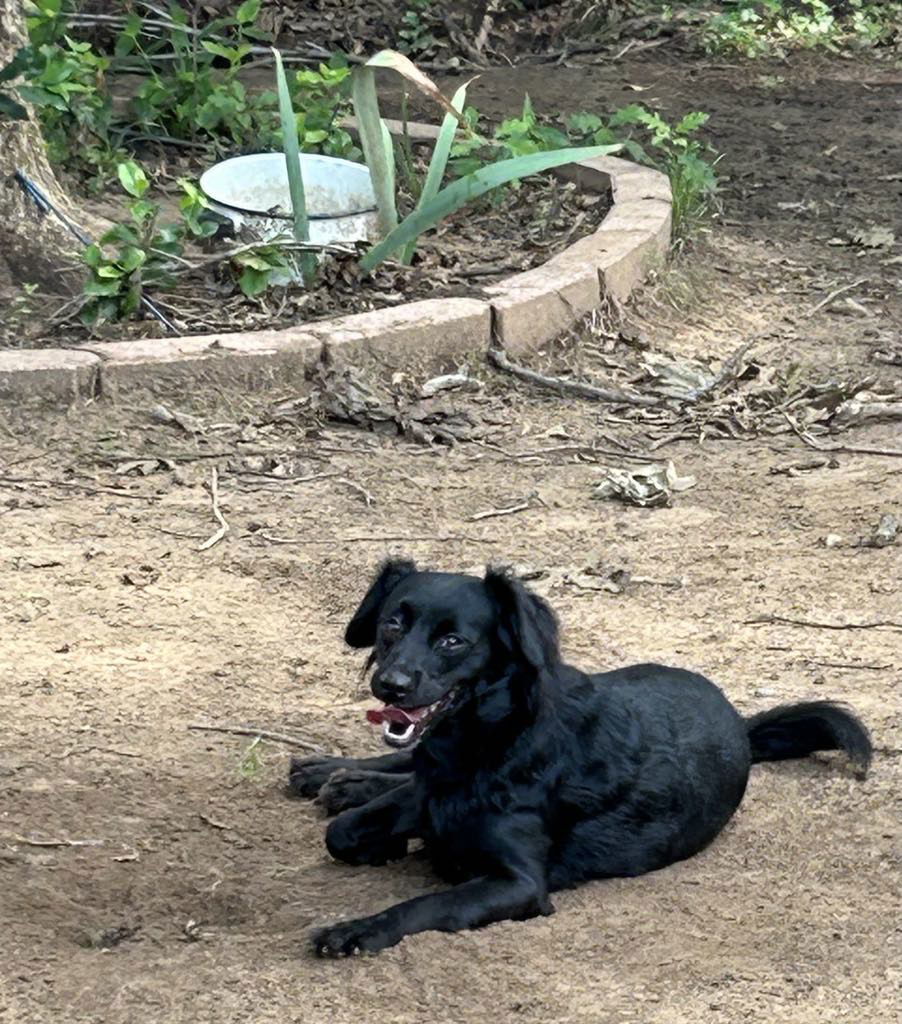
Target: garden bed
{"x": 520, "y": 229}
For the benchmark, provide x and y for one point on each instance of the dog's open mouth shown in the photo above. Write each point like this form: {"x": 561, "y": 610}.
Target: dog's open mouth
{"x": 401, "y": 726}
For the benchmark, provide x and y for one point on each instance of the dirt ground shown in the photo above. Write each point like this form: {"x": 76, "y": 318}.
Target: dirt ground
{"x": 191, "y": 880}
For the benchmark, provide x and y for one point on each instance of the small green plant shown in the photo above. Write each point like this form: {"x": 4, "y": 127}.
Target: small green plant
{"x": 199, "y": 94}
{"x": 674, "y": 149}
{"x": 321, "y": 98}
{"x": 643, "y": 135}
{"x": 251, "y": 763}
{"x": 131, "y": 256}
{"x": 765, "y": 28}
{"x": 139, "y": 254}
{"x": 415, "y": 34}
{"x": 65, "y": 82}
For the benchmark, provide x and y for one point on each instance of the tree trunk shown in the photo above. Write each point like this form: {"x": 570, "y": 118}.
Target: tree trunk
{"x": 34, "y": 248}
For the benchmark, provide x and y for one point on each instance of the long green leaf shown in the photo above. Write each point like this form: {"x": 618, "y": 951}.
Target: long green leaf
{"x": 394, "y": 61}
{"x": 470, "y": 187}
{"x": 377, "y": 146}
{"x": 439, "y": 161}
{"x": 292, "y": 154}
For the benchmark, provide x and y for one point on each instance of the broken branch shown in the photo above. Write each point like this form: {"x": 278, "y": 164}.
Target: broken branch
{"x": 573, "y": 387}
{"x": 263, "y": 734}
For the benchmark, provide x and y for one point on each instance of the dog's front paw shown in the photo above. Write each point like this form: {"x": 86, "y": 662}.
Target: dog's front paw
{"x": 346, "y": 788}
{"x": 308, "y": 775}
{"x": 351, "y": 938}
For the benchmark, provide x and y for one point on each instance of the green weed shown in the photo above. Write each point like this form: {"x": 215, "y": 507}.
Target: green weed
{"x": 645, "y": 136}
{"x": 771, "y": 28}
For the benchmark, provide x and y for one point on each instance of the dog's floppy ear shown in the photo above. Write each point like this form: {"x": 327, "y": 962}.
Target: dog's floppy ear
{"x": 361, "y": 630}
{"x": 527, "y": 623}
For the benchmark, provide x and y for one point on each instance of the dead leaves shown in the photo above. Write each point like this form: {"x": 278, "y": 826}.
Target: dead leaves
{"x": 648, "y": 486}
{"x": 343, "y": 395}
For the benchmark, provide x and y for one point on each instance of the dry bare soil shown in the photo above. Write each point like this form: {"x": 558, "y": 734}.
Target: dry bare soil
{"x": 152, "y": 873}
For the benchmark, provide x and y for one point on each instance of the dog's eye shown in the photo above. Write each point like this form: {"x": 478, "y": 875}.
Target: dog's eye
{"x": 391, "y": 628}
{"x": 449, "y": 642}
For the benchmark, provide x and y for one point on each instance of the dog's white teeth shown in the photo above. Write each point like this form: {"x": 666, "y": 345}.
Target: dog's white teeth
{"x": 396, "y": 732}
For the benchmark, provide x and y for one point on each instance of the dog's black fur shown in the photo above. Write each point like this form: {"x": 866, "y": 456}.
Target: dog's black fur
{"x": 533, "y": 776}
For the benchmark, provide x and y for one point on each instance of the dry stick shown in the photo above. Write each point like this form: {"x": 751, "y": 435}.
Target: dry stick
{"x": 223, "y": 525}
{"x": 36, "y": 481}
{"x": 847, "y": 664}
{"x": 773, "y": 619}
{"x": 58, "y": 842}
{"x": 263, "y": 734}
{"x": 851, "y": 449}
{"x": 835, "y": 294}
{"x": 493, "y": 512}
{"x": 362, "y": 491}
{"x": 573, "y": 387}
{"x": 375, "y": 538}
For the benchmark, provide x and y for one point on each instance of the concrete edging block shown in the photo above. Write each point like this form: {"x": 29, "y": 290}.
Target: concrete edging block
{"x": 434, "y": 333}
{"x": 47, "y": 376}
{"x": 170, "y": 366}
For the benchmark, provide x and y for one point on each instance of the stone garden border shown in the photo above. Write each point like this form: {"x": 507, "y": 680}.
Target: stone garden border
{"x": 521, "y": 314}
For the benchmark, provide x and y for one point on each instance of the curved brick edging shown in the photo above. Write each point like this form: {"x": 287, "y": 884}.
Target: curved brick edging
{"x": 520, "y": 313}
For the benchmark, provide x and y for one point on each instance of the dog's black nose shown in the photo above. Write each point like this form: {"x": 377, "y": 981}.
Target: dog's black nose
{"x": 393, "y": 685}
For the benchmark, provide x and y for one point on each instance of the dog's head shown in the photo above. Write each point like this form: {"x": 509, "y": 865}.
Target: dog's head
{"x": 436, "y": 634}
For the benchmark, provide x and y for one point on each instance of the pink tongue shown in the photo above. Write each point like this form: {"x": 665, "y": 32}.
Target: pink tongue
{"x": 390, "y": 713}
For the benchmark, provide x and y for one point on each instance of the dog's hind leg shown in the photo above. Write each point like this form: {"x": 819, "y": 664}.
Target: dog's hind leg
{"x": 308, "y": 775}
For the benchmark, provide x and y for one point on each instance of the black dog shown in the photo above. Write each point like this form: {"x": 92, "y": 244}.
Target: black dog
{"x": 530, "y": 776}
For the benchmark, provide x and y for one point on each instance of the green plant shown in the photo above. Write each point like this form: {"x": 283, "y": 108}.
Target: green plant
{"x": 470, "y": 187}
{"x": 195, "y": 97}
{"x": 140, "y": 254}
{"x": 65, "y": 81}
{"x": 130, "y": 257}
{"x": 643, "y": 134}
{"x": 251, "y": 763}
{"x": 321, "y": 99}
{"x": 300, "y": 224}
{"x": 415, "y": 34}
{"x": 760, "y": 28}
{"x": 434, "y": 204}
{"x": 688, "y": 162}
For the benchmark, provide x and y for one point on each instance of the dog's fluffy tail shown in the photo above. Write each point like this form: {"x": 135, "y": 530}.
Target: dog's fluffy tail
{"x": 797, "y": 730}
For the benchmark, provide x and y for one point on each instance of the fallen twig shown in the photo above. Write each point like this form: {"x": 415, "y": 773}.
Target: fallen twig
{"x": 574, "y": 387}
{"x": 851, "y": 449}
{"x": 17, "y": 481}
{"x": 263, "y": 734}
{"x": 99, "y": 750}
{"x": 213, "y": 823}
{"x": 835, "y": 294}
{"x": 729, "y": 369}
{"x": 362, "y": 491}
{"x": 373, "y": 538}
{"x": 58, "y": 842}
{"x": 847, "y": 664}
{"x": 509, "y": 511}
{"x": 777, "y": 619}
{"x": 218, "y": 516}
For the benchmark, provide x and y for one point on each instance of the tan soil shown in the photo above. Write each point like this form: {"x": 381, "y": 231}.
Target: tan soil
{"x": 117, "y": 633}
